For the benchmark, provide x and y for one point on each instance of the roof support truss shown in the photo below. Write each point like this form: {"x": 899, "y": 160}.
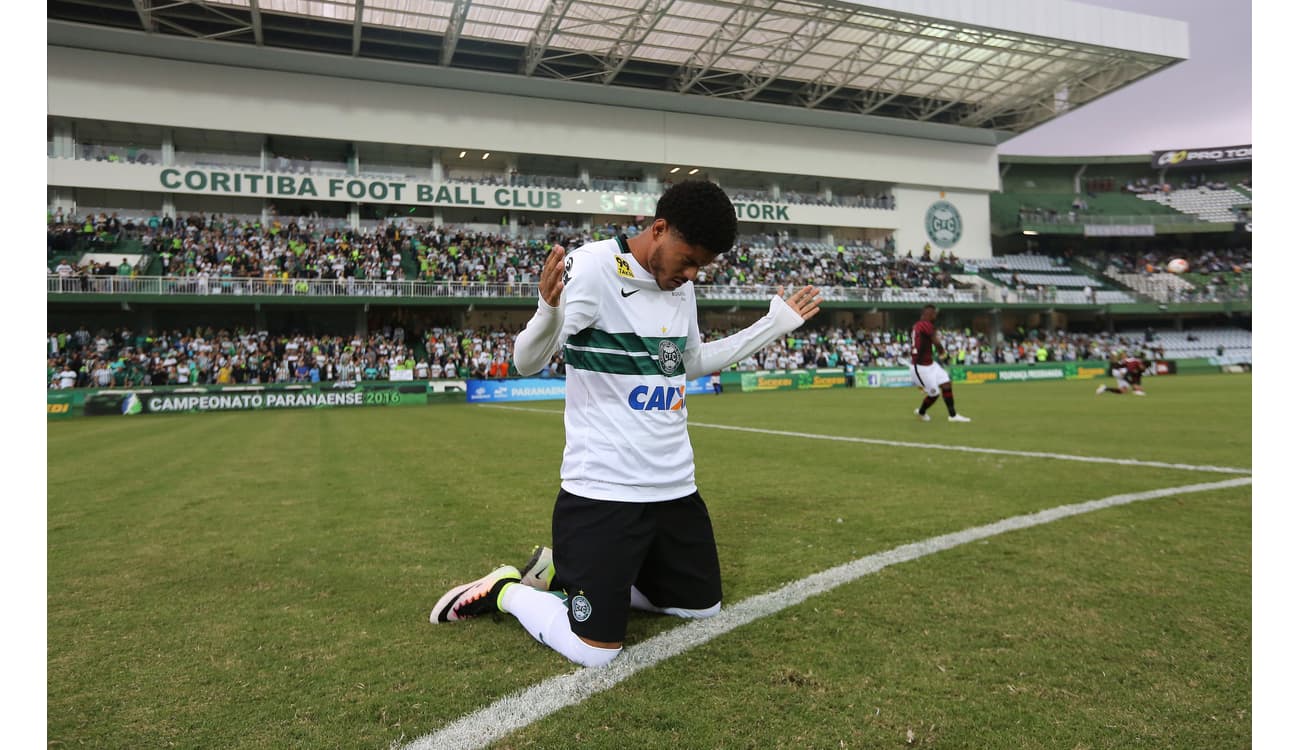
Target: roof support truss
{"x": 455, "y": 25}
{"x": 142, "y": 8}
{"x": 811, "y": 33}
{"x": 356, "y": 27}
{"x": 634, "y": 34}
{"x": 743, "y": 19}
{"x": 1077, "y": 89}
{"x": 833, "y": 55}
{"x": 541, "y": 39}
{"x": 256, "y": 14}
{"x": 849, "y": 67}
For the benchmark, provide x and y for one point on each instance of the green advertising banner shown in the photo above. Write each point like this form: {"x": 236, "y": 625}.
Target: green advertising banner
{"x": 1079, "y": 370}
{"x": 209, "y": 398}
{"x": 64, "y": 404}
{"x": 791, "y": 380}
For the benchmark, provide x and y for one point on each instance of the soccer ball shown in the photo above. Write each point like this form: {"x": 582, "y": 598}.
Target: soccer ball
{"x": 1178, "y": 265}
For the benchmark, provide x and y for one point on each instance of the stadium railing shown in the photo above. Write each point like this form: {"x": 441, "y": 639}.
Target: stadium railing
{"x": 209, "y": 286}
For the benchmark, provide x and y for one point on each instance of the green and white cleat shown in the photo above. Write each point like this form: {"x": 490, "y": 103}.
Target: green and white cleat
{"x": 539, "y": 571}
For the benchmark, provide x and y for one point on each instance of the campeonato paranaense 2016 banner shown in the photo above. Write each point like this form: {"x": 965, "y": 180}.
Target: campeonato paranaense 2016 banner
{"x": 180, "y": 399}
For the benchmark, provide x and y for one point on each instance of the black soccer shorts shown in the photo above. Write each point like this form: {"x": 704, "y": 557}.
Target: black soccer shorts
{"x": 602, "y": 548}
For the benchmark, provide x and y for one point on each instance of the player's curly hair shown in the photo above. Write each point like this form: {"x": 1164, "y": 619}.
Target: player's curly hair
{"x": 701, "y": 213}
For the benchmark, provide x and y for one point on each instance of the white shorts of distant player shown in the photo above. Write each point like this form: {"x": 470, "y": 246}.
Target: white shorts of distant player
{"x": 1121, "y": 379}
{"x": 929, "y": 377}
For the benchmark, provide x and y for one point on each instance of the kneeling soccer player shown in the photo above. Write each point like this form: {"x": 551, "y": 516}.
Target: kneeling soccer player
{"x": 629, "y": 527}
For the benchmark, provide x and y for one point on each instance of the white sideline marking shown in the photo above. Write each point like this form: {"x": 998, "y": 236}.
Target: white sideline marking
{"x": 936, "y": 446}
{"x": 518, "y": 710}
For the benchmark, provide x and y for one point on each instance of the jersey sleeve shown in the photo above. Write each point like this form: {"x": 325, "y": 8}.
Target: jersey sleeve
{"x": 580, "y": 300}
{"x": 702, "y": 358}
{"x": 550, "y": 326}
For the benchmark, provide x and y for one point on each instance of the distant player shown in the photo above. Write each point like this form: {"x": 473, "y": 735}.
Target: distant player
{"x": 1128, "y": 376}
{"x": 927, "y": 374}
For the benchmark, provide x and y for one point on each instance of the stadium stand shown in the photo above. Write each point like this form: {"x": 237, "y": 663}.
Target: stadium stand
{"x": 1221, "y": 343}
{"x": 1013, "y": 210}
{"x": 210, "y": 252}
{"x": 123, "y": 357}
{"x": 1162, "y": 286}
{"x": 1202, "y": 202}
{"x": 1047, "y": 279}
{"x": 1215, "y": 274}
{"x": 1024, "y": 262}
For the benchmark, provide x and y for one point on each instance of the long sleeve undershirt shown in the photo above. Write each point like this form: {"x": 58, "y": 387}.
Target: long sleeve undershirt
{"x": 713, "y": 356}
{"x": 540, "y": 339}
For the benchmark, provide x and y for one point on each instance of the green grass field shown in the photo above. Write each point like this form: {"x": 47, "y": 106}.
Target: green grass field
{"x": 264, "y": 580}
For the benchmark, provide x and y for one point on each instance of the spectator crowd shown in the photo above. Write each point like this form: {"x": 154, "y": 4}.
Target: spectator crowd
{"x": 233, "y": 356}
{"x": 212, "y": 250}
{"x": 785, "y": 262}
{"x": 837, "y": 347}
{"x": 1232, "y": 260}
{"x": 123, "y": 357}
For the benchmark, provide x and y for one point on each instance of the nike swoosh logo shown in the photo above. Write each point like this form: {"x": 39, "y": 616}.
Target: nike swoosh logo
{"x": 626, "y": 293}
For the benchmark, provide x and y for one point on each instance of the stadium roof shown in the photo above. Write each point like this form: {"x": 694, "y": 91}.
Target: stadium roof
{"x": 997, "y": 66}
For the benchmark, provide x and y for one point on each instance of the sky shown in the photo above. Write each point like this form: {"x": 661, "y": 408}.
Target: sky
{"x": 1200, "y": 102}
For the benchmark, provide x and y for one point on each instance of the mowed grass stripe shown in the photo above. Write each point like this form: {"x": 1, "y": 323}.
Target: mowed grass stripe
{"x": 1128, "y": 627}
{"x": 518, "y": 710}
{"x": 263, "y": 580}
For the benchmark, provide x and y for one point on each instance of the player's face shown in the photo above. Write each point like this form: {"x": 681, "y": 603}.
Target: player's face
{"x": 672, "y": 261}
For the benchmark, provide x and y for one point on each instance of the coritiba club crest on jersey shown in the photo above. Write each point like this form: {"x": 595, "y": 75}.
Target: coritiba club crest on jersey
{"x": 943, "y": 224}
{"x": 670, "y": 357}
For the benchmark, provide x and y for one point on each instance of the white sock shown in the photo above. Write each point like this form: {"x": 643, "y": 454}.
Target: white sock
{"x": 639, "y": 601}
{"x": 546, "y": 618}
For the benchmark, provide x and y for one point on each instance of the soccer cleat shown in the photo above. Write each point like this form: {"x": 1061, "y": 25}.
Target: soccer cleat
{"x": 1139, "y": 393}
{"x": 1101, "y": 389}
{"x": 920, "y": 416}
{"x": 539, "y": 571}
{"x": 476, "y": 598}
{"x": 958, "y": 418}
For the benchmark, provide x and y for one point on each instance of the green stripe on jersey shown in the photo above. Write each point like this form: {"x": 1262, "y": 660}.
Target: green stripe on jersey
{"x": 614, "y": 363}
{"x": 624, "y": 353}
{"x": 625, "y": 342}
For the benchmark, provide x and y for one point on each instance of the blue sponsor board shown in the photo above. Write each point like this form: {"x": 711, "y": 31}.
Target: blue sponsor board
{"x": 541, "y": 389}
{"x": 523, "y": 389}
{"x": 698, "y": 385}
{"x": 891, "y": 378}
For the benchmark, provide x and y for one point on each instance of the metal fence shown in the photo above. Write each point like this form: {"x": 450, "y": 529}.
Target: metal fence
{"x": 246, "y": 287}
{"x": 1063, "y": 219}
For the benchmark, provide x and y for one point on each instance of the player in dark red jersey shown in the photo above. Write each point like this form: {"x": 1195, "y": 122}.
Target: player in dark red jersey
{"x": 927, "y": 374}
{"x": 1128, "y": 376}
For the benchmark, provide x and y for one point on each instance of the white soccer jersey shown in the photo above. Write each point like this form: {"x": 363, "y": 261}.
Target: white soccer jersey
{"x": 624, "y": 342}
{"x": 629, "y": 347}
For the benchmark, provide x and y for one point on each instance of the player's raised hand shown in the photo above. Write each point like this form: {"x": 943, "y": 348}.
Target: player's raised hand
{"x": 551, "y": 283}
{"x": 806, "y": 301}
